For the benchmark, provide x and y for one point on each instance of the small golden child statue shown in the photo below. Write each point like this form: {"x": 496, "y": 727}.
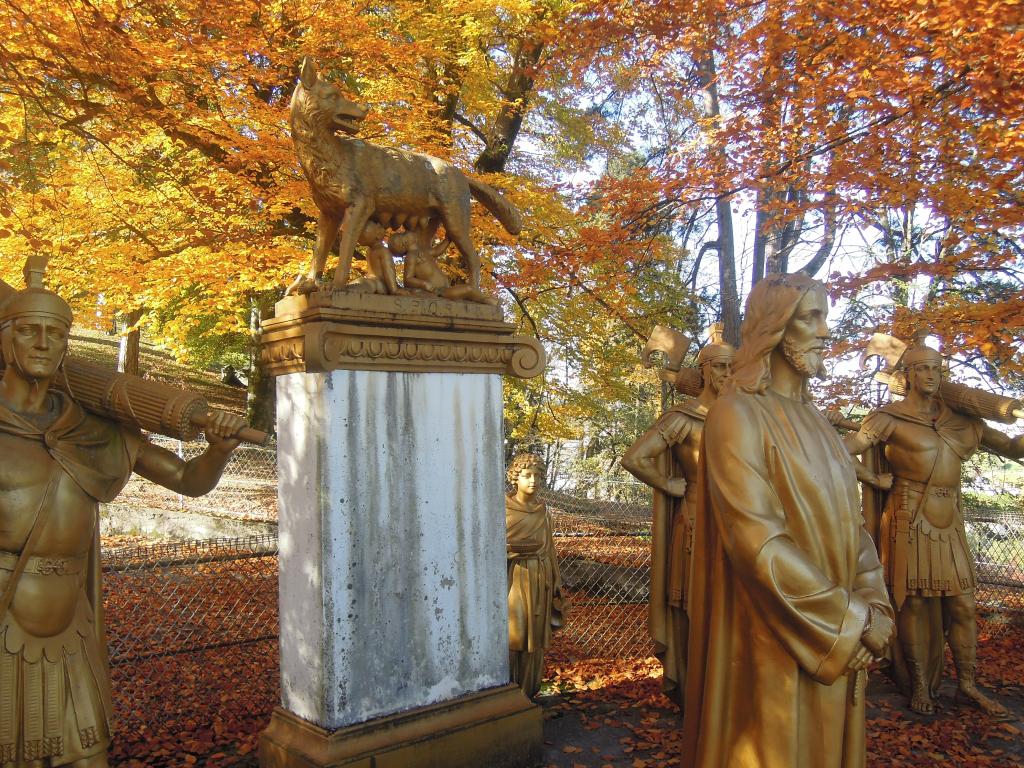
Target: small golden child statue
{"x": 535, "y": 605}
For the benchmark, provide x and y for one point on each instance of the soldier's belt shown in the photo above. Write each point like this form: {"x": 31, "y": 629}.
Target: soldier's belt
{"x": 44, "y": 566}
{"x": 913, "y": 485}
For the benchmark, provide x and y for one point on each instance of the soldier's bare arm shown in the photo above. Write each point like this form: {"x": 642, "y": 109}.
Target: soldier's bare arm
{"x": 195, "y": 476}
{"x": 641, "y": 458}
{"x": 857, "y": 443}
{"x": 880, "y": 480}
{"x": 1004, "y": 445}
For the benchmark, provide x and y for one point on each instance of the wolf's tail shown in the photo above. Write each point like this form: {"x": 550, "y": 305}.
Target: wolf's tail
{"x": 496, "y": 203}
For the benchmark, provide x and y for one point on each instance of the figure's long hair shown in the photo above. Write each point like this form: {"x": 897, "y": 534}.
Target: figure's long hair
{"x": 770, "y": 307}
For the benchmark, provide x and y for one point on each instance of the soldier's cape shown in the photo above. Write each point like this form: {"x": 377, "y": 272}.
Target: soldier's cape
{"x": 665, "y": 508}
{"x": 97, "y": 454}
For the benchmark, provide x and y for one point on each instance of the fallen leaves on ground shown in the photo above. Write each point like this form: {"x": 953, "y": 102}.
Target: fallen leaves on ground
{"x": 208, "y": 708}
{"x": 623, "y": 696}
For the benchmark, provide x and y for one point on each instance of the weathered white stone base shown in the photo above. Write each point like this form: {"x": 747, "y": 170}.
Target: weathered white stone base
{"x": 496, "y": 728}
{"x": 392, "y": 558}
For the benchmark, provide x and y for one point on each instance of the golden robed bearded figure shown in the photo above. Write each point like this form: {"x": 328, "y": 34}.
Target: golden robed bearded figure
{"x": 58, "y": 461}
{"x": 535, "y": 605}
{"x": 921, "y": 539}
{"x": 787, "y": 605}
{"x": 665, "y": 457}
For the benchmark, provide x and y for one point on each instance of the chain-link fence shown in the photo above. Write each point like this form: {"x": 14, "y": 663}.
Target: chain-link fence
{"x": 247, "y": 491}
{"x": 604, "y": 551}
{"x": 604, "y": 544}
{"x": 996, "y": 538}
{"x": 192, "y": 634}
{"x": 192, "y": 627}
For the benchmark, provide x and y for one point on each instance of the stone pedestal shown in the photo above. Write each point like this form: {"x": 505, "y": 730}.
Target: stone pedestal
{"x": 496, "y": 728}
{"x": 394, "y": 642}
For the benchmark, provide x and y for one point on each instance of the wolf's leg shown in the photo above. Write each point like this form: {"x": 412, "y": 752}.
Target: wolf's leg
{"x": 471, "y": 259}
{"x": 326, "y": 234}
{"x": 460, "y": 236}
{"x": 356, "y": 216}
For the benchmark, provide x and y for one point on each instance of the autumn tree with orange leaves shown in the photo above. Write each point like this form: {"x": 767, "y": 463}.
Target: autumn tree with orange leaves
{"x": 146, "y": 148}
{"x": 817, "y": 119}
{"x": 667, "y": 156}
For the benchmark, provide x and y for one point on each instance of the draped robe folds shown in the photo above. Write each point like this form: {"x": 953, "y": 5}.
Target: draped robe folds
{"x": 55, "y": 690}
{"x": 534, "y": 590}
{"x": 783, "y": 582}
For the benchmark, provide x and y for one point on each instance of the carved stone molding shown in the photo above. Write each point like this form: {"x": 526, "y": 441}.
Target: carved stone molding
{"x": 352, "y": 331}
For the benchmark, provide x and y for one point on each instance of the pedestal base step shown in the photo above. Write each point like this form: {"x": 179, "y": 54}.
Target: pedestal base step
{"x": 497, "y": 728}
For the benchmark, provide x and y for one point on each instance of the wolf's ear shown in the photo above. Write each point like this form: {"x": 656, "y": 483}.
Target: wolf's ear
{"x": 308, "y": 74}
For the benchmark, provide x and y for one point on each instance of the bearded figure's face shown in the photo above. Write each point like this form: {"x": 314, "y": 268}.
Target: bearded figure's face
{"x": 803, "y": 344}
{"x": 716, "y": 372}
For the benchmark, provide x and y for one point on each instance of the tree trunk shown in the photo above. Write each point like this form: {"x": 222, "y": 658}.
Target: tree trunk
{"x": 261, "y": 399}
{"x": 128, "y": 347}
{"x": 723, "y": 216}
{"x": 762, "y": 225}
{"x": 503, "y": 132}
{"x": 828, "y": 237}
{"x": 727, "y": 273}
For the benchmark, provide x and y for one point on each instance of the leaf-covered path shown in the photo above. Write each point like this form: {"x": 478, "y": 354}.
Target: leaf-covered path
{"x": 610, "y": 713}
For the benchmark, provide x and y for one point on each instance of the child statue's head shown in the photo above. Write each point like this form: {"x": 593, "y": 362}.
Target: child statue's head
{"x": 526, "y": 473}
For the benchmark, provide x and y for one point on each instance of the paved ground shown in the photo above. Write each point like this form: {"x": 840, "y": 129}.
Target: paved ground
{"x": 607, "y": 733}
{"x": 631, "y": 726}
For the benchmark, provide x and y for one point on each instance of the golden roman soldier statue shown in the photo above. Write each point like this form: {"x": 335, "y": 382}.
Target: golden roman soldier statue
{"x": 921, "y": 538}
{"x": 666, "y": 458}
{"x": 58, "y": 462}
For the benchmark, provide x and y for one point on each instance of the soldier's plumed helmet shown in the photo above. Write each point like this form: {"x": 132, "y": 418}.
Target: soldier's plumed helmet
{"x": 34, "y": 299}
{"x": 919, "y": 353}
{"x": 716, "y": 351}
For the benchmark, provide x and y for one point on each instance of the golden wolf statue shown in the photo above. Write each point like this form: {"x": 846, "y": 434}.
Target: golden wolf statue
{"x": 353, "y": 182}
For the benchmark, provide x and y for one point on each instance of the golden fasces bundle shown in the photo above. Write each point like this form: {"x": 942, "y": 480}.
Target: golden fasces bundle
{"x": 128, "y": 399}
{"x": 141, "y": 403}
{"x": 967, "y": 400}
